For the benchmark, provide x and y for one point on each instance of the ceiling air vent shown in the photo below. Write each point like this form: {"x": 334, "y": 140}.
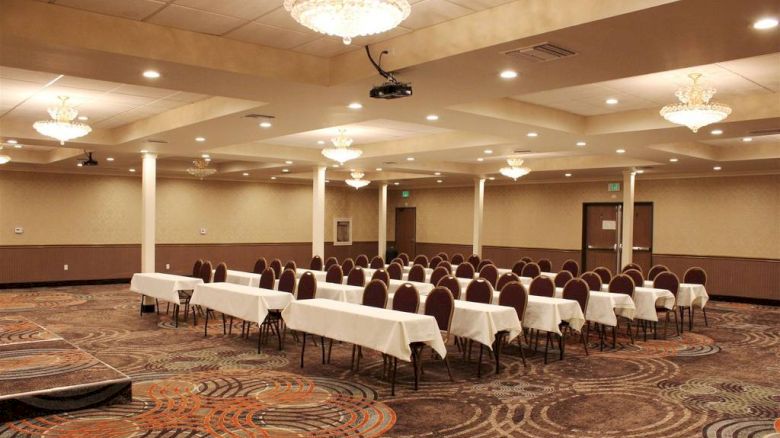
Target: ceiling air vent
{"x": 771, "y": 131}
{"x": 540, "y": 53}
{"x": 157, "y": 140}
{"x": 521, "y": 151}
{"x": 259, "y": 116}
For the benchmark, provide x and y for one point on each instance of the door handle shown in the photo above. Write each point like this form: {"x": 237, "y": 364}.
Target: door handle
{"x": 602, "y": 248}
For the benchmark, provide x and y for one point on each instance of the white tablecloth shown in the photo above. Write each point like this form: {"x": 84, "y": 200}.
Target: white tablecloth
{"x": 383, "y": 330}
{"x": 645, "y": 300}
{"x": 545, "y": 313}
{"x": 243, "y": 278}
{"x": 422, "y": 288}
{"x": 162, "y": 286}
{"x": 340, "y": 292}
{"x": 244, "y": 302}
{"x": 689, "y": 294}
{"x": 603, "y": 305}
{"x": 318, "y": 275}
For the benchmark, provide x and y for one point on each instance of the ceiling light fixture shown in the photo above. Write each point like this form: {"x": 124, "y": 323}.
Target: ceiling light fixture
{"x": 409, "y": 158}
{"x": 62, "y": 126}
{"x": 432, "y": 117}
{"x": 674, "y": 160}
{"x": 716, "y": 132}
{"x": 396, "y": 183}
{"x": 480, "y": 159}
{"x": 581, "y": 143}
{"x": 378, "y": 169}
{"x": 205, "y": 156}
{"x": 3, "y": 157}
{"x": 765, "y": 23}
{"x": 341, "y": 150}
{"x": 567, "y": 175}
{"x": 515, "y": 169}
{"x": 717, "y": 168}
{"x": 201, "y": 169}
{"x": 285, "y": 170}
{"x": 245, "y": 173}
{"x": 508, "y": 74}
{"x": 532, "y": 134}
{"x": 110, "y": 159}
{"x": 11, "y": 141}
{"x": 492, "y": 178}
{"x": 151, "y": 74}
{"x": 438, "y": 181}
{"x": 200, "y": 139}
{"x": 17, "y": 146}
{"x": 132, "y": 170}
{"x": 747, "y": 139}
{"x": 357, "y": 180}
{"x": 265, "y": 125}
{"x": 273, "y": 177}
{"x": 144, "y": 151}
{"x": 355, "y": 105}
{"x": 640, "y": 171}
{"x": 83, "y": 118}
{"x": 348, "y": 19}
{"x": 695, "y": 109}
{"x": 488, "y": 151}
{"x": 611, "y": 101}
{"x": 621, "y": 151}
{"x": 320, "y": 141}
{"x": 288, "y": 162}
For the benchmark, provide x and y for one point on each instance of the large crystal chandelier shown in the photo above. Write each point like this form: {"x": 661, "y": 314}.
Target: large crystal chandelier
{"x": 515, "y": 169}
{"x": 201, "y": 169}
{"x": 348, "y": 18}
{"x": 357, "y": 180}
{"x": 62, "y": 126}
{"x": 341, "y": 150}
{"x": 695, "y": 109}
{"x": 3, "y": 157}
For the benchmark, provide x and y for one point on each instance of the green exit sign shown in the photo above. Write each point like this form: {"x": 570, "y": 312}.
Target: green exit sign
{"x": 405, "y": 194}
{"x": 613, "y": 187}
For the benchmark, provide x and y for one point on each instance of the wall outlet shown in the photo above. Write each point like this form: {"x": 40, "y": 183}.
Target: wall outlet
{"x": 167, "y": 266}
{"x": 65, "y": 268}
{"x": 19, "y": 230}
{"x": 203, "y": 231}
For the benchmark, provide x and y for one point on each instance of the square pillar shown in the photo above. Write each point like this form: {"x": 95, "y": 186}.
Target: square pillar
{"x": 318, "y": 213}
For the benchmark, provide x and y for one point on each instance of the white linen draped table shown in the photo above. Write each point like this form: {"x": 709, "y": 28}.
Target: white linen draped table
{"x": 546, "y": 313}
{"x": 422, "y": 288}
{"x": 244, "y": 302}
{"x": 602, "y": 306}
{"x": 243, "y": 278}
{"x": 318, "y": 275}
{"x": 689, "y": 294}
{"x": 387, "y": 331}
{"x": 340, "y": 292}
{"x": 162, "y": 286}
{"x": 646, "y": 299}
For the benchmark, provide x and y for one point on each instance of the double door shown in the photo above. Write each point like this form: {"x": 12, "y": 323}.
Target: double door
{"x": 602, "y": 235}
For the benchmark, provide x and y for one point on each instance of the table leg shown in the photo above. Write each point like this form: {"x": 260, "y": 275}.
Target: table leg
{"x": 142, "y": 306}
{"x": 690, "y": 319}
{"x": 479, "y": 363}
{"x": 176, "y": 314}
{"x": 395, "y": 367}
{"x": 497, "y": 350}
{"x": 206, "y": 325}
{"x": 303, "y": 348}
{"x": 322, "y": 343}
{"x": 259, "y": 336}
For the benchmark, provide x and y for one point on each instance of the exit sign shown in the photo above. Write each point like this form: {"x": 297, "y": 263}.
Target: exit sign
{"x": 613, "y": 187}
{"x": 405, "y": 194}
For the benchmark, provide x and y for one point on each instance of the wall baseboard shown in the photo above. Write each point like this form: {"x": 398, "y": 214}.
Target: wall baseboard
{"x": 64, "y": 283}
{"x": 746, "y": 300}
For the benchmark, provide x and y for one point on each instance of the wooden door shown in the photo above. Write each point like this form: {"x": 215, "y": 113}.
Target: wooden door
{"x": 406, "y": 230}
{"x": 643, "y": 235}
{"x": 601, "y": 236}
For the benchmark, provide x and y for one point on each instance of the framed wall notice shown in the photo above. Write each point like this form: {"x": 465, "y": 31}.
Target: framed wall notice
{"x": 342, "y": 231}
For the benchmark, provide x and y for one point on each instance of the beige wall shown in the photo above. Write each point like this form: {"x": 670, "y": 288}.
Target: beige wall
{"x": 443, "y": 215}
{"x": 66, "y": 209}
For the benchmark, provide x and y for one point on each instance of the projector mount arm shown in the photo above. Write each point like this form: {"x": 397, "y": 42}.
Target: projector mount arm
{"x": 378, "y": 66}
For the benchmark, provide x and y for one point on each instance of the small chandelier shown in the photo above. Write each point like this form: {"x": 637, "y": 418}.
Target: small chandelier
{"x": 201, "y": 169}
{"x": 341, "y": 150}
{"x": 3, "y": 157}
{"x": 62, "y": 126}
{"x": 357, "y": 180}
{"x": 348, "y": 18}
{"x": 695, "y": 109}
{"x": 515, "y": 169}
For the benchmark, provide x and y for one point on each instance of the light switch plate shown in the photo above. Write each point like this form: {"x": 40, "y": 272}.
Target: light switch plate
{"x": 19, "y": 230}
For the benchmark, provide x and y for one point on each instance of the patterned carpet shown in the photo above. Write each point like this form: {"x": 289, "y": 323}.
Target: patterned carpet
{"x": 721, "y": 381}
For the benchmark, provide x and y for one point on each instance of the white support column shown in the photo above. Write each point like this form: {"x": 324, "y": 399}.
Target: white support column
{"x": 627, "y": 253}
{"x": 318, "y": 213}
{"x": 382, "y": 234}
{"x": 148, "y": 213}
{"x": 479, "y": 203}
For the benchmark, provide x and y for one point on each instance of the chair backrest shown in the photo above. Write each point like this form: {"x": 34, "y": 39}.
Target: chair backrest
{"x": 632, "y": 266}
{"x": 334, "y": 275}
{"x": 542, "y": 287}
{"x": 220, "y": 274}
{"x": 450, "y": 282}
{"x": 490, "y": 273}
{"x": 205, "y": 272}
{"x": 514, "y": 295}
{"x": 622, "y": 284}
{"x": 435, "y": 260}
{"x": 517, "y": 268}
{"x": 381, "y": 275}
{"x": 438, "y": 274}
{"x": 667, "y": 280}
{"x": 395, "y": 271}
{"x": 695, "y": 275}
{"x": 196, "y": 268}
{"x": 440, "y": 304}
{"x": 457, "y": 258}
{"x": 330, "y": 261}
{"x": 347, "y": 266}
{"x": 443, "y": 255}
{"x": 576, "y": 289}
{"x": 545, "y": 265}
{"x": 655, "y": 270}
{"x": 531, "y": 270}
{"x": 484, "y": 263}
{"x": 593, "y": 280}
{"x": 356, "y": 277}
{"x": 287, "y": 281}
{"x": 316, "y": 263}
{"x": 260, "y": 265}
{"x": 377, "y": 263}
{"x": 307, "y": 286}
{"x": 291, "y": 265}
{"x": 604, "y": 273}
{"x": 474, "y": 259}
{"x": 526, "y": 259}
{"x": 507, "y": 277}
{"x": 267, "y": 278}
{"x": 479, "y": 291}
{"x": 276, "y": 265}
{"x": 636, "y": 276}
{"x": 465, "y": 270}
{"x": 417, "y": 273}
{"x": 362, "y": 261}
{"x": 406, "y": 298}
{"x": 571, "y": 266}
{"x": 405, "y": 257}
{"x": 446, "y": 265}
{"x": 375, "y": 294}
{"x": 421, "y": 260}
{"x": 562, "y": 278}
{"x": 398, "y": 260}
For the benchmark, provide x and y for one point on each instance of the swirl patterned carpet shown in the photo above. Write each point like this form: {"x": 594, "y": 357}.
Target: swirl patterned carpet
{"x": 721, "y": 381}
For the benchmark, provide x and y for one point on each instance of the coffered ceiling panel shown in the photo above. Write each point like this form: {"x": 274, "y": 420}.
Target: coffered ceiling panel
{"x": 195, "y": 20}
{"x": 362, "y": 133}
{"x": 132, "y": 9}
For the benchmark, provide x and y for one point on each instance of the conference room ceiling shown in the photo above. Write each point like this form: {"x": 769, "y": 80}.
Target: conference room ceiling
{"x": 211, "y": 82}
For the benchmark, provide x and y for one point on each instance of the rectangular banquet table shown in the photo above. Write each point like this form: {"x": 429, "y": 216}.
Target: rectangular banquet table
{"x": 318, "y": 275}
{"x": 164, "y": 287}
{"x": 603, "y": 305}
{"x": 546, "y": 313}
{"x": 340, "y": 292}
{"x": 243, "y": 278}
{"x": 645, "y": 301}
{"x": 689, "y": 294}
{"x": 422, "y": 288}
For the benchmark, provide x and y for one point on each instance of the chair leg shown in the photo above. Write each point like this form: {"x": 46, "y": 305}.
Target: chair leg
{"x": 395, "y": 368}
{"x": 449, "y": 373}
{"x": 206, "y": 325}
{"x": 522, "y": 352}
{"x": 330, "y": 348}
{"x": 322, "y": 343}
{"x": 704, "y": 311}
{"x": 176, "y": 310}
{"x": 546, "y": 347}
{"x": 479, "y": 363}
{"x": 676, "y": 325}
{"x": 303, "y": 347}
{"x": 561, "y": 344}
{"x": 352, "y": 363}
{"x": 585, "y": 339}
{"x": 666, "y": 325}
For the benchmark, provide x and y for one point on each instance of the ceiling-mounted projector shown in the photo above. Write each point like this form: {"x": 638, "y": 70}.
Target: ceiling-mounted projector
{"x": 393, "y": 88}
{"x": 89, "y": 161}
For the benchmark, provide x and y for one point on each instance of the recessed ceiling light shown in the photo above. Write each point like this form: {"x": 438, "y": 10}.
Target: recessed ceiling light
{"x": 508, "y": 74}
{"x": 355, "y": 105}
{"x": 396, "y": 183}
{"x": 11, "y": 141}
{"x": 439, "y": 181}
{"x": 320, "y": 141}
{"x": 492, "y": 178}
{"x": 716, "y": 132}
{"x": 205, "y": 156}
{"x": 200, "y": 139}
{"x": 265, "y": 125}
{"x": 288, "y": 162}
{"x": 480, "y": 159}
{"x": 151, "y": 74}
{"x": 409, "y": 158}
{"x": 674, "y": 160}
{"x": 17, "y": 146}
{"x": 581, "y": 143}
{"x": 488, "y": 151}
{"x": 110, "y": 159}
{"x": 273, "y": 177}
{"x": 132, "y": 170}
{"x": 717, "y": 168}
{"x": 532, "y": 134}
{"x": 432, "y": 117}
{"x": 285, "y": 170}
{"x": 747, "y": 139}
{"x": 611, "y": 101}
{"x": 144, "y": 151}
{"x": 208, "y": 160}
{"x": 621, "y": 151}
{"x": 765, "y": 23}
{"x": 83, "y": 118}
{"x": 437, "y": 173}
{"x": 327, "y": 180}
{"x": 81, "y": 164}
{"x": 640, "y": 171}
{"x": 378, "y": 169}
{"x": 567, "y": 175}
{"x": 334, "y": 165}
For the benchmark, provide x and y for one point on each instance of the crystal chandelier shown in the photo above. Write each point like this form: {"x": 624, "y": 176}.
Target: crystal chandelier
{"x": 341, "y": 150}
{"x": 515, "y": 169}
{"x": 357, "y": 180}
{"x": 3, "y": 157}
{"x": 348, "y": 18}
{"x": 201, "y": 169}
{"x": 695, "y": 109}
{"x": 62, "y": 126}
